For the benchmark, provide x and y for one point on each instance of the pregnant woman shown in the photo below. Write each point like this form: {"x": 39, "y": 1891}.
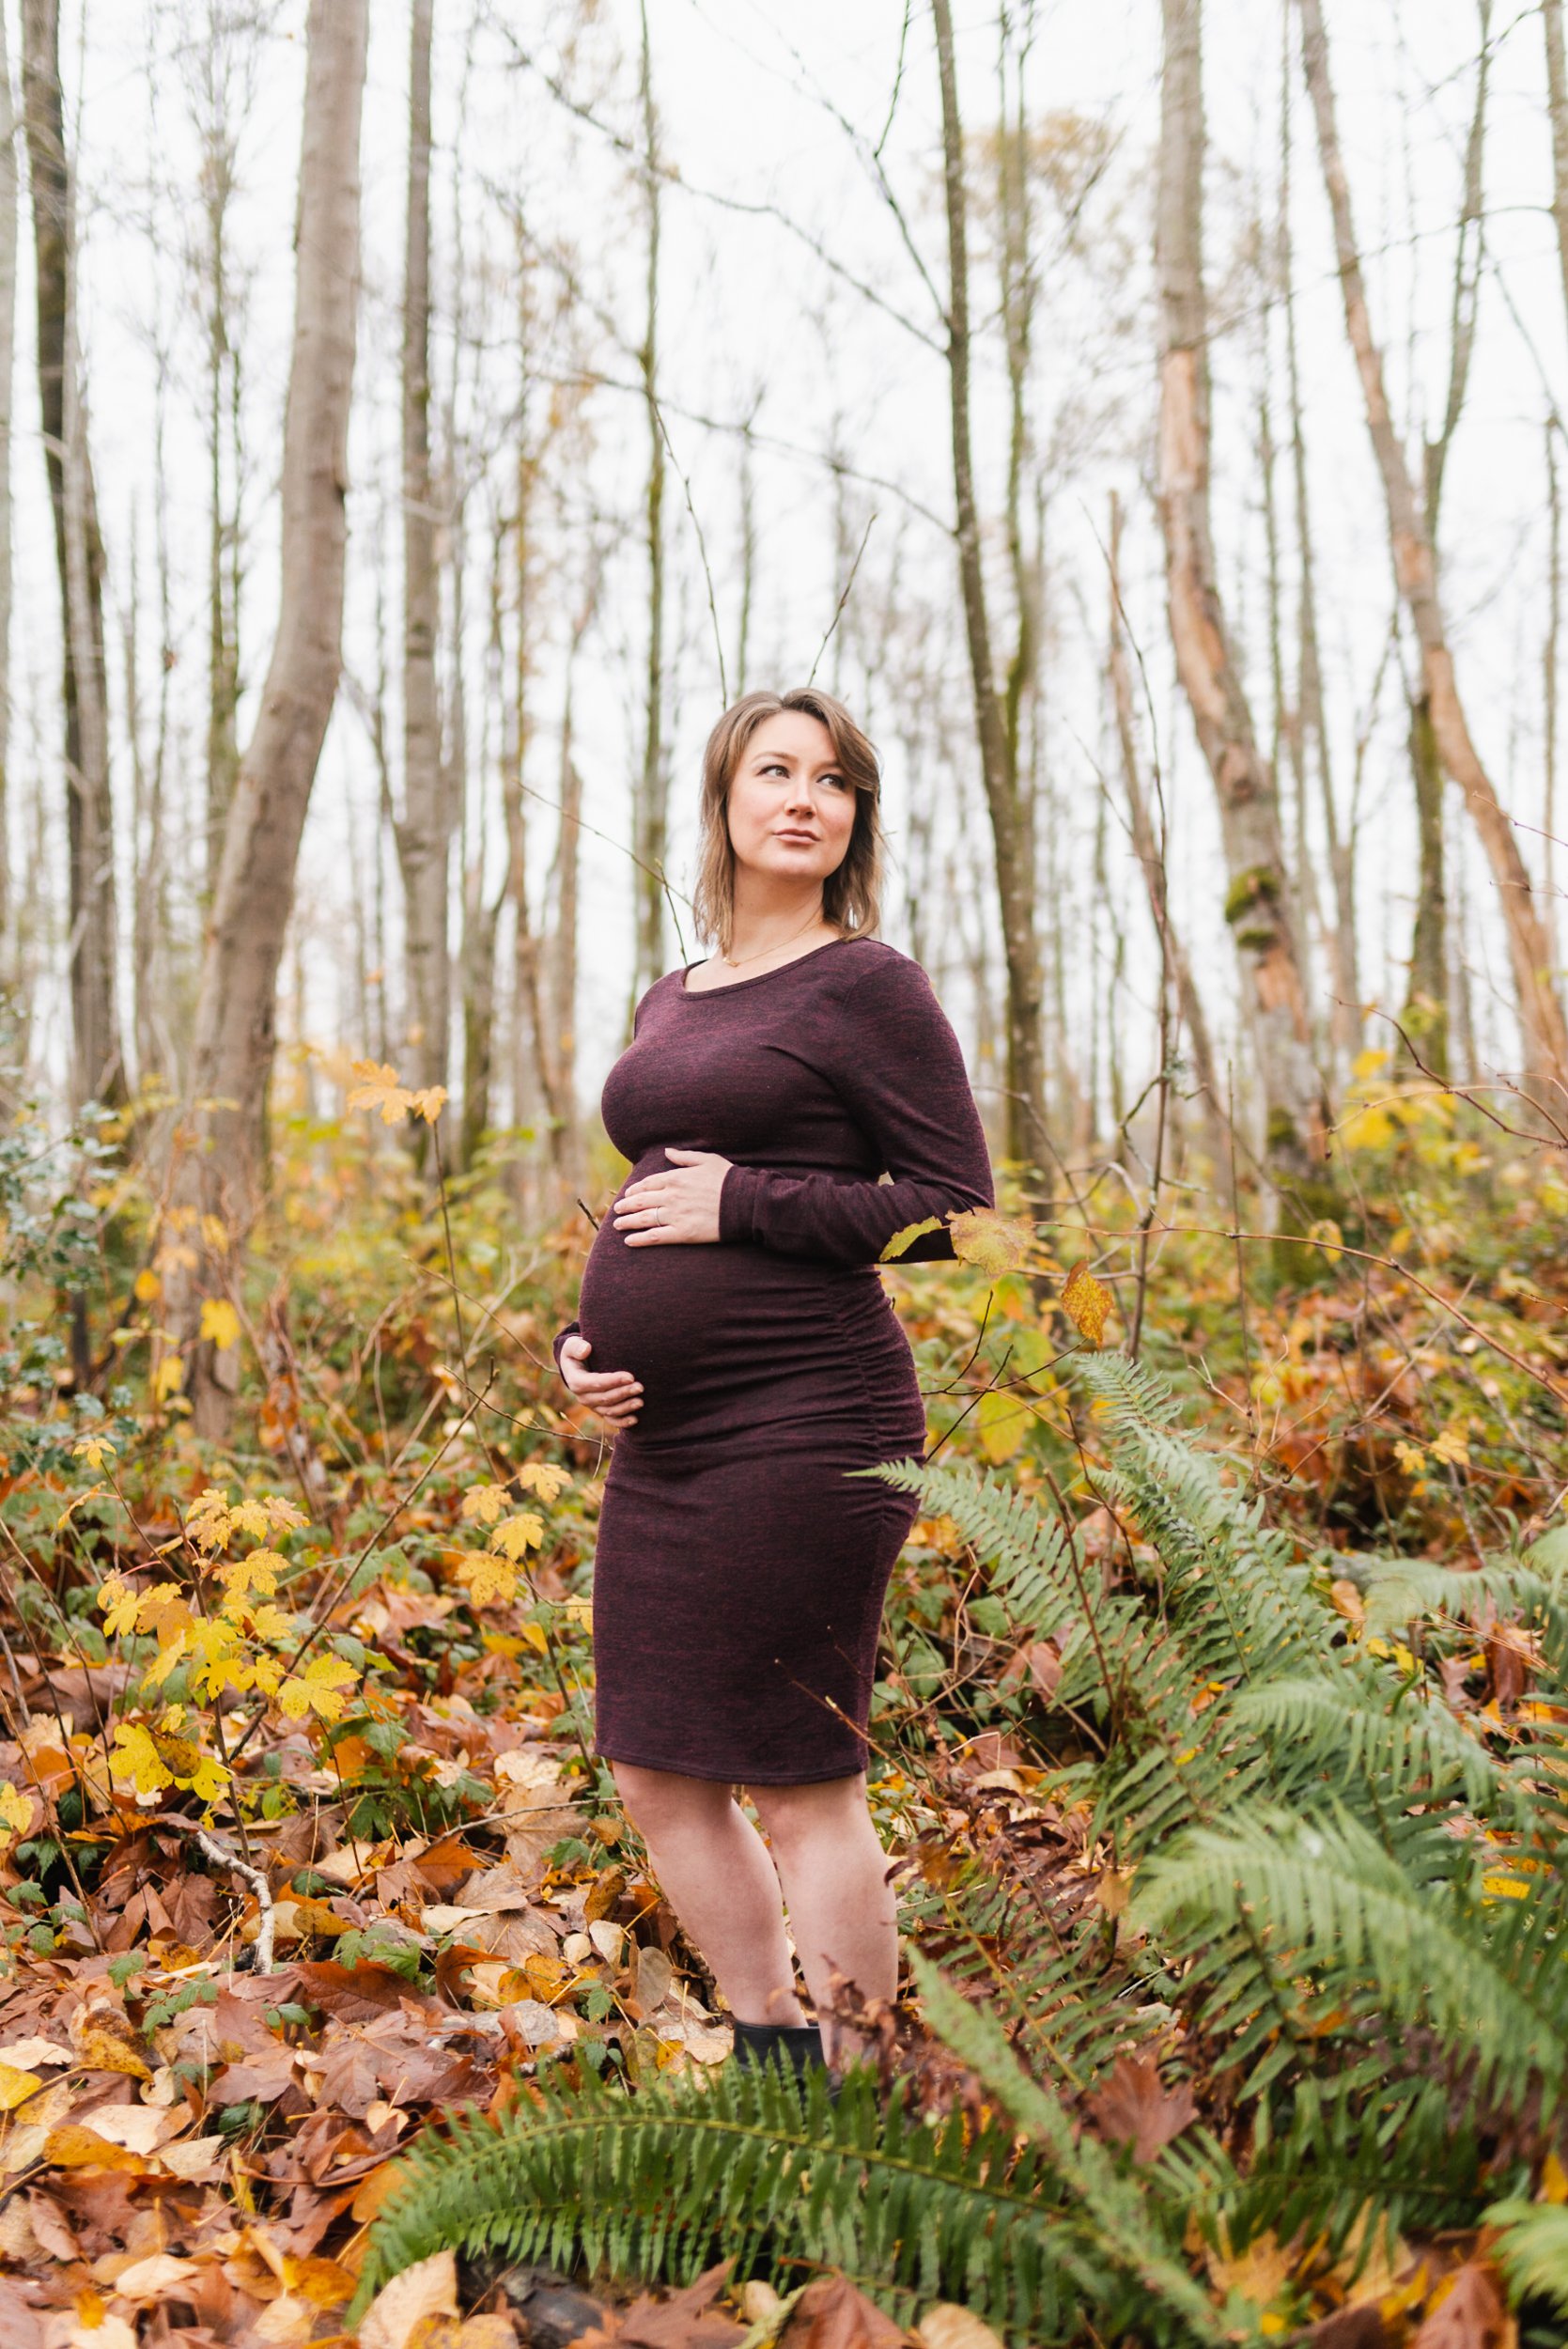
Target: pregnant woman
{"x": 734, "y": 1331}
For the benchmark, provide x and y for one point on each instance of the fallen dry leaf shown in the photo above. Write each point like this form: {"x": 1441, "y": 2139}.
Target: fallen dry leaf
{"x": 159, "y": 2278}
{"x": 1135, "y": 2108}
{"x": 74, "y": 2146}
{"x": 429, "y": 2289}
{"x": 831, "y": 2313}
{"x": 946, "y": 2327}
{"x": 1471, "y": 2313}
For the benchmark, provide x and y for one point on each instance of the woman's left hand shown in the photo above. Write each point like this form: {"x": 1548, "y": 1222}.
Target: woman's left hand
{"x": 680, "y": 1204}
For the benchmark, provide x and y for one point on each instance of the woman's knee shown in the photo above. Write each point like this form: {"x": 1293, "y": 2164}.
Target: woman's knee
{"x": 661, "y": 1802}
{"x": 798, "y": 1818}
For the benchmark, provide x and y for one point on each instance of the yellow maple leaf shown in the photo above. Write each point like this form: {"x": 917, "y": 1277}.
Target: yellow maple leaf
{"x": 316, "y": 1690}
{"x": 210, "y": 1520}
{"x": 258, "y": 1572}
{"x": 162, "y": 1610}
{"x": 147, "y": 1288}
{"x": 514, "y": 1536}
{"x": 208, "y": 1780}
{"x": 491, "y": 1581}
{"x": 1411, "y": 1459}
{"x": 379, "y": 1088}
{"x": 93, "y": 1492}
{"x": 428, "y": 1103}
{"x": 1086, "y": 1301}
{"x": 1451, "y": 1446}
{"x": 119, "y": 1604}
{"x": 484, "y": 1503}
{"x": 171, "y": 1651}
{"x": 995, "y": 1243}
{"x": 16, "y": 1811}
{"x": 546, "y": 1478}
{"x": 219, "y": 1660}
{"x": 168, "y": 1378}
{"x": 95, "y": 1450}
{"x": 136, "y": 1757}
{"x": 220, "y": 1322}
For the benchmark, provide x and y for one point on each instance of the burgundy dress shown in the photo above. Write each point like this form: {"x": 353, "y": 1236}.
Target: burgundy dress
{"x": 740, "y": 1568}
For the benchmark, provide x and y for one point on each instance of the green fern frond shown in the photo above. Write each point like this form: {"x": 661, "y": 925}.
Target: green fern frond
{"x": 1406, "y": 1590}
{"x": 1116, "y": 2209}
{"x": 1366, "y": 1925}
{"x": 1129, "y": 1396}
{"x": 1533, "y": 2248}
{"x": 1355, "y": 1727}
{"x": 650, "y": 2185}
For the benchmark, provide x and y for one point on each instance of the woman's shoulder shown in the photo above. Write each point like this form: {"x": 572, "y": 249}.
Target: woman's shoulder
{"x": 872, "y": 966}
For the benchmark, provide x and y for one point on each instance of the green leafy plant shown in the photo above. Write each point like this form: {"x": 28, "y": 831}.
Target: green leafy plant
{"x": 1334, "y": 1905}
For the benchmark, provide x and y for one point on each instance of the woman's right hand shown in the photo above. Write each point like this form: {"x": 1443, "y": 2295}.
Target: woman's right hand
{"x": 614, "y": 1394}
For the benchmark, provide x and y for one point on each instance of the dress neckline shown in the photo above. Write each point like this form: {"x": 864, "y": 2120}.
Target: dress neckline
{"x": 733, "y": 986}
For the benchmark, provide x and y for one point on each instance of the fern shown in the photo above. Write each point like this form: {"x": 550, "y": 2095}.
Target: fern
{"x": 1351, "y": 1900}
{"x": 651, "y": 2183}
{"x": 1533, "y": 2248}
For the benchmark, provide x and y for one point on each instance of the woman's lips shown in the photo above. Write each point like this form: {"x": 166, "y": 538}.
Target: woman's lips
{"x": 806, "y": 839}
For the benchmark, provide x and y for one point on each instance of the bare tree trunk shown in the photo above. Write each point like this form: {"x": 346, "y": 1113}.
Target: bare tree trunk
{"x": 219, "y": 63}
{"x": 220, "y": 1172}
{"x": 1557, "y": 99}
{"x": 562, "y": 997}
{"x": 1312, "y": 721}
{"x": 1010, "y": 829}
{"x": 424, "y": 831}
{"x": 98, "y": 1068}
{"x": 1257, "y": 903}
{"x": 748, "y": 557}
{"x": 1540, "y": 1019}
{"x": 1150, "y": 852}
{"x": 1550, "y": 653}
{"x": 1426, "y": 1006}
{"x": 652, "y": 824}
{"x": 7, "y": 377}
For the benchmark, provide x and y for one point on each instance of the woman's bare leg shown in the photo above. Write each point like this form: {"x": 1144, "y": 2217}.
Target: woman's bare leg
{"x": 842, "y": 1910}
{"x": 715, "y": 1871}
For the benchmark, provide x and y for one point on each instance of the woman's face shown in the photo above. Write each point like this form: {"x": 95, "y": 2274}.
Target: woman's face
{"x": 791, "y": 807}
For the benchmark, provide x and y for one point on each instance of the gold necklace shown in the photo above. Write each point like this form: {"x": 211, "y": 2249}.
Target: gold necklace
{"x": 734, "y": 965}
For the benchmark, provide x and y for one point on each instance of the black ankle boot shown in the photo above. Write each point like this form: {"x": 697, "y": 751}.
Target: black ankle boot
{"x": 799, "y": 2043}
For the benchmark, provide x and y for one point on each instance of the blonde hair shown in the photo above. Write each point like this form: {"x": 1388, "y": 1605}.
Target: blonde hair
{"x": 851, "y": 896}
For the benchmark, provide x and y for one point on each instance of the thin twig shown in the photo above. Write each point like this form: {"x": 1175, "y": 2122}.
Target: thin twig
{"x": 259, "y": 1886}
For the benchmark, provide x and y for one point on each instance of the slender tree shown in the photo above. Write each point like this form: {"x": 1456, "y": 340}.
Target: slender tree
{"x": 1310, "y": 743}
{"x": 423, "y": 830}
{"x": 1556, "y": 99}
{"x": 652, "y": 787}
{"x": 219, "y": 52}
{"x": 1149, "y": 845}
{"x": 7, "y": 371}
{"x": 1545, "y": 1033}
{"x": 218, "y": 1171}
{"x": 98, "y": 1067}
{"x": 1005, "y": 796}
{"x": 1257, "y": 901}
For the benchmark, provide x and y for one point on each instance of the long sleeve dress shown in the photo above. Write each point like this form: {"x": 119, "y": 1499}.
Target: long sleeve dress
{"x": 740, "y": 1566}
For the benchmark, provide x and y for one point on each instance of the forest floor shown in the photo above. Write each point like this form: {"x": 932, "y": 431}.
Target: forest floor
{"x": 356, "y": 1642}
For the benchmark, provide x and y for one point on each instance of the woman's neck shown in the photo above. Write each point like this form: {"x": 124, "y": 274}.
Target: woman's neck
{"x": 756, "y": 934}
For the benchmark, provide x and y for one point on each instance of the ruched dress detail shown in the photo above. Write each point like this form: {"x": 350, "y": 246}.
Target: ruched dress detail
{"x": 740, "y": 1567}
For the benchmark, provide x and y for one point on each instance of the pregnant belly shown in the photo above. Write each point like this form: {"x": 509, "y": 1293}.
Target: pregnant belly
{"x": 730, "y": 1341}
